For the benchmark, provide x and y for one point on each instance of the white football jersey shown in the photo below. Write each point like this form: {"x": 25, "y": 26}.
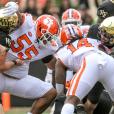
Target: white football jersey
{"x": 24, "y": 45}
{"x": 73, "y": 51}
{"x": 85, "y": 29}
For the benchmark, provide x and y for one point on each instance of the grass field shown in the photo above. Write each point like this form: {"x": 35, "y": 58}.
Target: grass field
{"x": 22, "y": 111}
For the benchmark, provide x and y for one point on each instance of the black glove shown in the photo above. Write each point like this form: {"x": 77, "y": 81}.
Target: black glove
{"x": 5, "y": 39}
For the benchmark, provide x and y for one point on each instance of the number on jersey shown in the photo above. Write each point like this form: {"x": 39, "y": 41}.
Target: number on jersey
{"x": 82, "y": 42}
{"x": 18, "y": 49}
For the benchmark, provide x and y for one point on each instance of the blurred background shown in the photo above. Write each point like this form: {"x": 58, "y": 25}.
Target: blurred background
{"x": 87, "y": 9}
{"x": 56, "y": 7}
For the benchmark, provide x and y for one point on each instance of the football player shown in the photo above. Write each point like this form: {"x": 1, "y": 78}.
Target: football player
{"x": 29, "y": 41}
{"x": 74, "y": 17}
{"x": 105, "y": 10}
{"x": 78, "y": 55}
{"x": 70, "y": 16}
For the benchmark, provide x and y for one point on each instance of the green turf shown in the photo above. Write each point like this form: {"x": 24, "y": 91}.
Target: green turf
{"x": 17, "y": 111}
{"x": 22, "y": 111}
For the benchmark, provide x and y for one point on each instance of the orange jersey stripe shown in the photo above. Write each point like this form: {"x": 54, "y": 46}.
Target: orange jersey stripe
{"x": 77, "y": 78}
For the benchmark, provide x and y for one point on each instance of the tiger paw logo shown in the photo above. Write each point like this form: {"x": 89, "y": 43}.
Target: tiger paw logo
{"x": 48, "y": 22}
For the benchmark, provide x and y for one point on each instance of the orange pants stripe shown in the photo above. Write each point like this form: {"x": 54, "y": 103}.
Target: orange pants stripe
{"x": 76, "y": 79}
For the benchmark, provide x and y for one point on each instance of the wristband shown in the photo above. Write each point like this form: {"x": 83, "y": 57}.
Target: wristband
{"x": 49, "y": 71}
{"x": 60, "y": 88}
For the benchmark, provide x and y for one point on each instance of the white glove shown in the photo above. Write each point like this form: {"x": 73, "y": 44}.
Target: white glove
{"x": 48, "y": 77}
{"x": 60, "y": 89}
{"x": 9, "y": 9}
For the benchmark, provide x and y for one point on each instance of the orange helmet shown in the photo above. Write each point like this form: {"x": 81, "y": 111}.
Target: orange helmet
{"x": 71, "y": 16}
{"x": 47, "y": 29}
{"x": 70, "y": 33}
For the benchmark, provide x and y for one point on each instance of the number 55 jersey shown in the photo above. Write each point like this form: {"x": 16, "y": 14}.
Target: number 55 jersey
{"x": 24, "y": 45}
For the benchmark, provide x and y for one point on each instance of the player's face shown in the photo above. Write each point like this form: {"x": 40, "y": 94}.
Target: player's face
{"x": 106, "y": 38}
{"x": 49, "y": 41}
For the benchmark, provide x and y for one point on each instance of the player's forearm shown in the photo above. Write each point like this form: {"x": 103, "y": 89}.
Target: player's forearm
{"x": 6, "y": 66}
{"x": 9, "y": 64}
{"x": 60, "y": 77}
{"x": 60, "y": 72}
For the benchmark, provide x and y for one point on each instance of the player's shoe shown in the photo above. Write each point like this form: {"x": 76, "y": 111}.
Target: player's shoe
{"x": 80, "y": 109}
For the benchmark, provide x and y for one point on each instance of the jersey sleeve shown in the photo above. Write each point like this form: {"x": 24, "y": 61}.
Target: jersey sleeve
{"x": 62, "y": 55}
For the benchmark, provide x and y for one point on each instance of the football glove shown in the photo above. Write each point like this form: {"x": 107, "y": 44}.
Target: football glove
{"x": 5, "y": 39}
{"x": 10, "y": 8}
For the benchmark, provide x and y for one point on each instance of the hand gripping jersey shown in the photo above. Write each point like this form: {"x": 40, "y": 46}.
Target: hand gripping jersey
{"x": 24, "y": 46}
{"x": 75, "y": 50}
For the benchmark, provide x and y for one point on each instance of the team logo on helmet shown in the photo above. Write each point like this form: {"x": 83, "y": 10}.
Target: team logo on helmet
{"x": 102, "y": 13}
